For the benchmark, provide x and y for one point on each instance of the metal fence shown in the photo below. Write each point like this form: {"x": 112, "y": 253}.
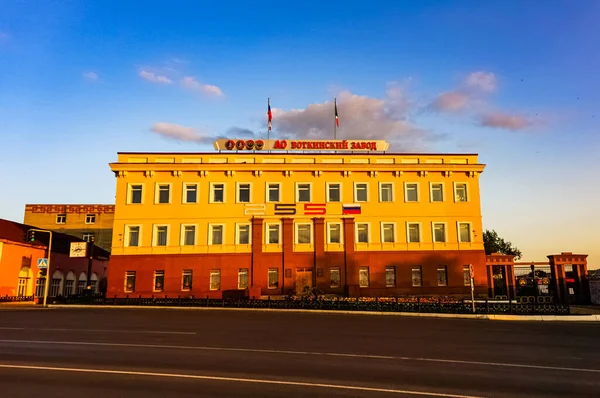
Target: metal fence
{"x": 523, "y": 306}
{"x": 15, "y": 299}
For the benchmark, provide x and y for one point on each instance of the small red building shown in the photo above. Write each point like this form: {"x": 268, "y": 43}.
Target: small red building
{"x": 22, "y": 279}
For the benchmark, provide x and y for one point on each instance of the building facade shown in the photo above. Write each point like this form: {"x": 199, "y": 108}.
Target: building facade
{"x": 20, "y": 275}
{"x": 276, "y": 223}
{"x": 85, "y": 222}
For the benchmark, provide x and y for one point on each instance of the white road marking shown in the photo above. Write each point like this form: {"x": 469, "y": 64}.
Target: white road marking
{"x": 102, "y": 330}
{"x": 236, "y": 379}
{"x": 333, "y": 354}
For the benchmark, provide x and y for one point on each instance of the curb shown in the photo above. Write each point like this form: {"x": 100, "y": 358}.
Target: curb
{"x": 538, "y": 318}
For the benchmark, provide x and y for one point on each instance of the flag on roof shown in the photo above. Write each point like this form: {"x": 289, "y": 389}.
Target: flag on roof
{"x": 269, "y": 114}
{"x": 337, "y": 119}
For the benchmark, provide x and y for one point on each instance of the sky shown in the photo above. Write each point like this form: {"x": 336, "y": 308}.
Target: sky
{"x": 513, "y": 81}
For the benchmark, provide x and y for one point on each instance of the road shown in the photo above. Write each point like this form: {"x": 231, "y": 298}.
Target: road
{"x": 219, "y": 353}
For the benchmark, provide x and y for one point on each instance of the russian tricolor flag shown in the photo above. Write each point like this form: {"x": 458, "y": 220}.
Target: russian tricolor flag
{"x": 351, "y": 209}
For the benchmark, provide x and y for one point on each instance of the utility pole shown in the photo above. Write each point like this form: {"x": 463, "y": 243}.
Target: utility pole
{"x": 88, "y": 283}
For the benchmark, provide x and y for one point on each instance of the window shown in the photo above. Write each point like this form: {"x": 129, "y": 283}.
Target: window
{"x": 460, "y": 192}
{"x": 243, "y": 278}
{"x": 303, "y": 233}
{"x": 388, "y": 233}
{"x": 216, "y": 234}
{"x": 133, "y": 236}
{"x": 390, "y": 276}
{"x": 303, "y": 192}
{"x": 243, "y": 193}
{"x": 464, "y": 232}
{"x": 159, "y": 281}
{"x": 164, "y": 193}
{"x": 439, "y": 232}
{"x": 90, "y": 218}
{"x": 437, "y": 192}
{"x": 334, "y": 233}
{"x": 40, "y": 286}
{"x": 414, "y": 232}
{"x": 334, "y": 276}
{"x": 93, "y": 286}
{"x": 81, "y": 285}
{"x": 88, "y": 236}
{"x": 215, "y": 279}
{"x": 54, "y": 287}
{"x": 363, "y": 277}
{"x": 273, "y": 233}
{"x": 190, "y": 193}
{"x": 217, "y": 193}
{"x": 273, "y": 192}
{"x": 129, "y": 282}
{"x": 135, "y": 193}
{"x": 442, "y": 276}
{"x": 273, "y": 275}
{"x": 243, "y": 234}
{"x": 160, "y": 235}
{"x": 466, "y": 275}
{"x": 361, "y": 193}
{"x": 362, "y": 233}
{"x": 61, "y": 218}
{"x": 416, "y": 277}
{"x": 334, "y": 192}
{"x": 186, "y": 280}
{"x": 386, "y": 192}
{"x": 411, "y": 193}
{"x": 189, "y": 235}
{"x": 68, "y": 287}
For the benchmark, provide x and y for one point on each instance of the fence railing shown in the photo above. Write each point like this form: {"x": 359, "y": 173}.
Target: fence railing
{"x": 381, "y": 304}
{"x": 15, "y": 299}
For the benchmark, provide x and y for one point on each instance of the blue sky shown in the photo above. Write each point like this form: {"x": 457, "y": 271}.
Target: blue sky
{"x": 515, "y": 81}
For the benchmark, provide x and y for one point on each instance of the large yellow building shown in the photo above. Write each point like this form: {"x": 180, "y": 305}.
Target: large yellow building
{"x": 360, "y": 222}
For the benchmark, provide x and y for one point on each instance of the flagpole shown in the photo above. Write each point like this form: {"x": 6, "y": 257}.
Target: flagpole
{"x": 334, "y": 119}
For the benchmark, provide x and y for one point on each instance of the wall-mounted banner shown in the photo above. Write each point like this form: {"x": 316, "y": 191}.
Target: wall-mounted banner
{"x": 292, "y": 209}
{"x": 301, "y": 145}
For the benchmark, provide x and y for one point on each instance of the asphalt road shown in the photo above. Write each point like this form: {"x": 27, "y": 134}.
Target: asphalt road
{"x": 218, "y": 353}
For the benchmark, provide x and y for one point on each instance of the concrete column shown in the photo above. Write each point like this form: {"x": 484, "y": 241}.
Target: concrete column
{"x": 287, "y": 240}
{"x": 319, "y": 245}
{"x": 348, "y": 278}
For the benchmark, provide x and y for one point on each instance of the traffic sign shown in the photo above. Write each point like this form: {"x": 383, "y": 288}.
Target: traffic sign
{"x": 42, "y": 263}
{"x": 471, "y": 271}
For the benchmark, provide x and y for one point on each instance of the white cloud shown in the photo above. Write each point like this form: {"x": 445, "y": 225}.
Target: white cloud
{"x": 451, "y": 101}
{"x": 191, "y": 83}
{"x": 181, "y": 133}
{"x": 153, "y": 77}
{"x": 484, "y": 81}
{"x": 360, "y": 117}
{"x": 91, "y": 75}
{"x": 504, "y": 121}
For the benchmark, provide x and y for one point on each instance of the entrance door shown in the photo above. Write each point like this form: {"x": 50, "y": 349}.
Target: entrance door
{"x": 303, "y": 281}
{"x": 22, "y": 287}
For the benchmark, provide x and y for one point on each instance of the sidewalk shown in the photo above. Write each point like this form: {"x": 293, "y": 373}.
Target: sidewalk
{"x": 544, "y": 318}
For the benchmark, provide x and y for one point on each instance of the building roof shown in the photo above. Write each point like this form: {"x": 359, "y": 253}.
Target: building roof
{"x": 307, "y": 152}
{"x": 61, "y": 243}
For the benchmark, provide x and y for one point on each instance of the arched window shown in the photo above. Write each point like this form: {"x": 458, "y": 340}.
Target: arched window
{"x": 69, "y": 286}
{"x": 81, "y": 282}
{"x": 56, "y": 284}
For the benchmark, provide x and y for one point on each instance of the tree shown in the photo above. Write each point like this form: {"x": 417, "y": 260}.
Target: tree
{"x": 495, "y": 244}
